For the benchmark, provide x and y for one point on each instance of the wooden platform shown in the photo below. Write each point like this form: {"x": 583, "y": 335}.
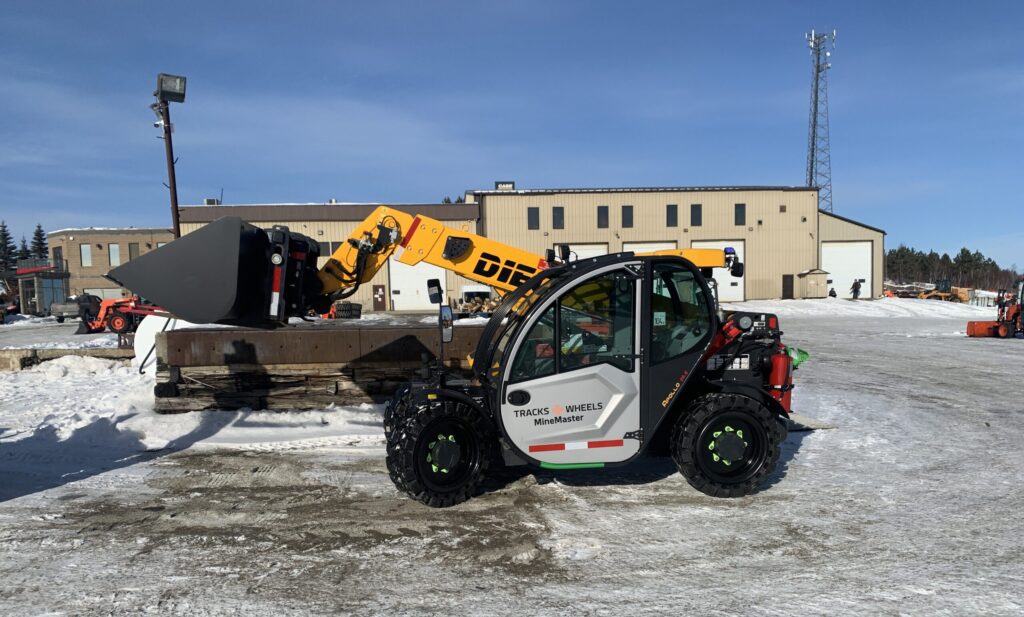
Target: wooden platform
{"x": 307, "y": 366}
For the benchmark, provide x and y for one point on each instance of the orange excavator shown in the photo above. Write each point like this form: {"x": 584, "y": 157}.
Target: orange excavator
{"x": 1008, "y": 323}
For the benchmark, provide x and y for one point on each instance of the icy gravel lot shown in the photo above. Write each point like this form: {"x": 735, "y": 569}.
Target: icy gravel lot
{"x": 911, "y": 506}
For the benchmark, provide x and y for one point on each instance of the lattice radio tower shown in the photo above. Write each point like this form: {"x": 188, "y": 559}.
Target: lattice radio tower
{"x": 819, "y": 157}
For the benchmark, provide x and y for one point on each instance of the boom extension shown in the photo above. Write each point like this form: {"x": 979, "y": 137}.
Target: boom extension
{"x": 235, "y": 273}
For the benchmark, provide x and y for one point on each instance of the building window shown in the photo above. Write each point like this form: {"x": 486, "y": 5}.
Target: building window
{"x": 696, "y": 215}
{"x": 114, "y": 254}
{"x": 627, "y": 216}
{"x": 86, "y": 252}
{"x": 741, "y": 214}
{"x": 133, "y": 250}
{"x": 558, "y": 217}
{"x": 671, "y": 215}
{"x": 602, "y": 217}
{"x": 533, "y": 218}
{"x": 782, "y": 208}
{"x": 58, "y": 258}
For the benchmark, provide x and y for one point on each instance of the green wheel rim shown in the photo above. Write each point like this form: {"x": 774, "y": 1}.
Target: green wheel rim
{"x": 731, "y": 447}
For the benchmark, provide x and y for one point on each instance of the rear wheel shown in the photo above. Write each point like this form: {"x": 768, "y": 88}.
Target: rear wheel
{"x": 438, "y": 455}
{"x": 726, "y": 445}
{"x": 119, "y": 322}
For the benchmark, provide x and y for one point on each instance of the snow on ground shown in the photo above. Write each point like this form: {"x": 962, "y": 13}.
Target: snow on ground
{"x": 61, "y": 397}
{"x": 22, "y": 332}
{"x": 910, "y": 507}
{"x": 886, "y": 307}
{"x": 27, "y": 320}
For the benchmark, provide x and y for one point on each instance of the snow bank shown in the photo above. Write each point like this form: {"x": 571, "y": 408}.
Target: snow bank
{"x": 108, "y": 342}
{"x": 886, "y": 307}
{"x": 95, "y": 403}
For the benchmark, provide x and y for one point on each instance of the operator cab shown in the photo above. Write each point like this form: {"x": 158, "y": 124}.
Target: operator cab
{"x": 593, "y": 353}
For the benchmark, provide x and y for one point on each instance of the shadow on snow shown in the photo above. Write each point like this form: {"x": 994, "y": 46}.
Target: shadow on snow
{"x": 43, "y": 461}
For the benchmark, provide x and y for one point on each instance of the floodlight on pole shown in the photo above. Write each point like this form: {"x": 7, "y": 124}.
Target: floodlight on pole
{"x": 169, "y": 89}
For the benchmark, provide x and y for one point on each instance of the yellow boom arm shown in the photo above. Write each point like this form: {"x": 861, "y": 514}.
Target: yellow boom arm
{"x": 412, "y": 239}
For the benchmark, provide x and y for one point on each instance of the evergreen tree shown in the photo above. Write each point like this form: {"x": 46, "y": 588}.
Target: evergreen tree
{"x": 39, "y": 248}
{"x": 23, "y": 252}
{"x": 460, "y": 199}
{"x": 446, "y": 200}
{"x": 967, "y": 269}
{"x": 8, "y": 255}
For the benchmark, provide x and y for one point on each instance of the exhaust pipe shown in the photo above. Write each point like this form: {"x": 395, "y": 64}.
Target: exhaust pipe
{"x": 228, "y": 272}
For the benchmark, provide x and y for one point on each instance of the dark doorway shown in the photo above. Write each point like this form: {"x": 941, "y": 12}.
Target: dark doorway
{"x": 379, "y": 302}
{"x": 787, "y": 286}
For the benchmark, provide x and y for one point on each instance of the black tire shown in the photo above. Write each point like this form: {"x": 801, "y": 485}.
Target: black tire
{"x": 440, "y": 453}
{"x": 741, "y": 429}
{"x": 119, "y": 322}
{"x": 395, "y": 409}
{"x": 60, "y": 319}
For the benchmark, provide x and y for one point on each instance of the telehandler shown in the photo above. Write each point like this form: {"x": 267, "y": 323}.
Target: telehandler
{"x": 584, "y": 364}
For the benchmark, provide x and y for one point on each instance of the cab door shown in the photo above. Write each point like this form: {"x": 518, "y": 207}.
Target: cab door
{"x": 572, "y": 390}
{"x": 678, "y": 330}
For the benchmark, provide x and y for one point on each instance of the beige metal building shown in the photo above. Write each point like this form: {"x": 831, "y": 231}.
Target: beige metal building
{"x": 89, "y": 253}
{"x": 788, "y": 246}
{"x": 398, "y": 286}
{"x": 791, "y": 250}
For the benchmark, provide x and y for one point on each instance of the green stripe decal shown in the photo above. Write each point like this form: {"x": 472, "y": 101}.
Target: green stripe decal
{"x": 571, "y": 465}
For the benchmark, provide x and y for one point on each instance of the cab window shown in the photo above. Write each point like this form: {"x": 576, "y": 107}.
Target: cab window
{"x": 680, "y": 312}
{"x": 536, "y": 356}
{"x": 595, "y": 323}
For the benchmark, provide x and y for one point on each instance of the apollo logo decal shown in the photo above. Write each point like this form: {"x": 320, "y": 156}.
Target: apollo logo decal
{"x": 675, "y": 389}
{"x": 510, "y": 272}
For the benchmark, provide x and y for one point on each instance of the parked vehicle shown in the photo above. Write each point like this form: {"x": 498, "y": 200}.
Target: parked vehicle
{"x": 64, "y": 310}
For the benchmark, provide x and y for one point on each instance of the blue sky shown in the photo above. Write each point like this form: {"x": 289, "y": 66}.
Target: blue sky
{"x": 412, "y": 101}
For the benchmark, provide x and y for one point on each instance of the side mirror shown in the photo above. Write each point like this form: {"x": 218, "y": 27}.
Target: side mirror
{"x": 447, "y": 318}
{"x": 434, "y": 291}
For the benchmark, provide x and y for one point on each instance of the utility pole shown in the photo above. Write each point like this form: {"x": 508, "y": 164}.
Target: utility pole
{"x": 819, "y": 157}
{"x": 169, "y": 88}
{"x": 172, "y": 183}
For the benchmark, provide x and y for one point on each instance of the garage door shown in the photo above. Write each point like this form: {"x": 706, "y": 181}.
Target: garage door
{"x": 648, "y": 247}
{"x": 409, "y": 285}
{"x": 730, "y": 288}
{"x": 586, "y": 251}
{"x": 844, "y": 262}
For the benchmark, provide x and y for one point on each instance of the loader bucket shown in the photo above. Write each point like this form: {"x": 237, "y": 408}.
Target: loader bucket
{"x": 218, "y": 274}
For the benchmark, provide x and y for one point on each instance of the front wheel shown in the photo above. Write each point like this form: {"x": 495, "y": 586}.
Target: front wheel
{"x": 119, "y": 323}
{"x": 726, "y": 445}
{"x": 438, "y": 455}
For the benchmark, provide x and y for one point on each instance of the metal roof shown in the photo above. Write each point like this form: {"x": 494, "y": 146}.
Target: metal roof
{"x": 643, "y": 189}
{"x": 323, "y": 212}
{"x": 110, "y": 230}
{"x": 853, "y": 222}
